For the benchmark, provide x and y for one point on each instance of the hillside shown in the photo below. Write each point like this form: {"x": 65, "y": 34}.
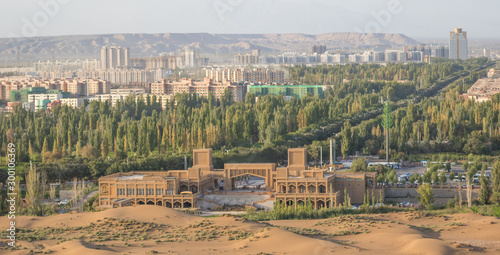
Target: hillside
{"x": 88, "y": 46}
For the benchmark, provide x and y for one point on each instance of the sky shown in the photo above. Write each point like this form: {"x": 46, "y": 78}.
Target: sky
{"x": 414, "y": 18}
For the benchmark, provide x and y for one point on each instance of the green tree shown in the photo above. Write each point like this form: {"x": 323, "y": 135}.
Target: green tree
{"x": 426, "y": 196}
{"x": 45, "y": 149}
{"x": 346, "y": 136}
{"x": 387, "y": 123}
{"x": 447, "y": 167}
{"x": 392, "y": 176}
{"x": 104, "y": 147}
{"x": 485, "y": 193}
{"x": 34, "y": 192}
{"x": 359, "y": 165}
{"x": 427, "y": 178}
{"x": 442, "y": 178}
{"x": 495, "y": 181}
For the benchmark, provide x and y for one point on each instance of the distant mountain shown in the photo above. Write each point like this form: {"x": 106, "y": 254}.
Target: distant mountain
{"x": 88, "y": 46}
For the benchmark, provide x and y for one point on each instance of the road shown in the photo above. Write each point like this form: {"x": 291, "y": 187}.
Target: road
{"x": 87, "y": 197}
{"x": 325, "y": 132}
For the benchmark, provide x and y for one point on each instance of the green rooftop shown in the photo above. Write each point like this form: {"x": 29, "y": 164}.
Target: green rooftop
{"x": 286, "y": 90}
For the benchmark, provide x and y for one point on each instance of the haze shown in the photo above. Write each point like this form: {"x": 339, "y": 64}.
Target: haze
{"x": 419, "y": 19}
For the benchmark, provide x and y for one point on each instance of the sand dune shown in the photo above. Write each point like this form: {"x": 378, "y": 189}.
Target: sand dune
{"x": 146, "y": 213}
{"x": 285, "y": 242}
{"x": 426, "y": 246}
{"x": 78, "y": 247}
{"x": 158, "y": 230}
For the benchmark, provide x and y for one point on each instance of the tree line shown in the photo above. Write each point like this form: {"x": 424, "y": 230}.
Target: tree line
{"x": 101, "y": 139}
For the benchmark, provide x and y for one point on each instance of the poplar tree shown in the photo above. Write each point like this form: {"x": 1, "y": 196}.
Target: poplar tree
{"x": 387, "y": 123}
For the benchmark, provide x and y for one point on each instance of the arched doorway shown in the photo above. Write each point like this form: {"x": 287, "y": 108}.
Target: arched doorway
{"x": 327, "y": 204}
{"x": 168, "y": 204}
{"x": 302, "y": 189}
{"x": 160, "y": 203}
{"x": 140, "y": 202}
{"x": 194, "y": 189}
{"x": 177, "y": 205}
{"x": 322, "y": 189}
{"x": 320, "y": 204}
{"x": 187, "y": 204}
{"x": 300, "y": 203}
{"x": 311, "y": 188}
{"x": 150, "y": 203}
{"x": 184, "y": 188}
{"x": 282, "y": 189}
{"x": 292, "y": 189}
{"x": 249, "y": 182}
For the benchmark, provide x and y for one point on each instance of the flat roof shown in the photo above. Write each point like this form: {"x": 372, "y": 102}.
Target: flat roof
{"x": 286, "y": 86}
{"x": 132, "y": 177}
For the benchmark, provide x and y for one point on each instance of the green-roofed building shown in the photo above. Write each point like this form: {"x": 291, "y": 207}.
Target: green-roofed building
{"x": 286, "y": 90}
{"x": 22, "y": 95}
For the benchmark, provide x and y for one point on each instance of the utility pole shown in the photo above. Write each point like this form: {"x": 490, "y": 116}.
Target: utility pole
{"x": 320, "y": 156}
{"x": 334, "y": 150}
{"x": 331, "y": 152}
{"x": 185, "y": 162}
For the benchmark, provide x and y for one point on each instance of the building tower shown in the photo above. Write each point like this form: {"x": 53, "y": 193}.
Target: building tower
{"x": 113, "y": 57}
{"x": 190, "y": 58}
{"x": 459, "y": 48}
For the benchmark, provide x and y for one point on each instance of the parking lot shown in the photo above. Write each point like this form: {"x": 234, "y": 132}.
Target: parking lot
{"x": 422, "y": 169}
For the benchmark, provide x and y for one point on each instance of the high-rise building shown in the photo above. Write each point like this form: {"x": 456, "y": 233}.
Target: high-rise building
{"x": 459, "y": 48}
{"x": 318, "y": 49}
{"x": 190, "y": 58}
{"x": 113, "y": 57}
{"x": 248, "y": 59}
{"x": 442, "y": 52}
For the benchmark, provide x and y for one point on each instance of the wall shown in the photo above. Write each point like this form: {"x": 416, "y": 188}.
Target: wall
{"x": 410, "y": 195}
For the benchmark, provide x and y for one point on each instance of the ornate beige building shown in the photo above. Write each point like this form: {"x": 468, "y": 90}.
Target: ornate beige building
{"x": 294, "y": 184}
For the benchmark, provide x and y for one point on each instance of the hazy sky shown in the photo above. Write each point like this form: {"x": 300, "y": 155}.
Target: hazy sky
{"x": 415, "y": 18}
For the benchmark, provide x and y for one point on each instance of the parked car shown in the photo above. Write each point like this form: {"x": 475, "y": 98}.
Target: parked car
{"x": 64, "y": 202}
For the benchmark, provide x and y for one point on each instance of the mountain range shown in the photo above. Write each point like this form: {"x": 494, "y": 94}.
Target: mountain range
{"x": 88, "y": 46}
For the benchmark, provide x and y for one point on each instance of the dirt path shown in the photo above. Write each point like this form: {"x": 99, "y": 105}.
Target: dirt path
{"x": 87, "y": 197}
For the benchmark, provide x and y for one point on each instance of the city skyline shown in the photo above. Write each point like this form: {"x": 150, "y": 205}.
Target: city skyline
{"x": 414, "y": 19}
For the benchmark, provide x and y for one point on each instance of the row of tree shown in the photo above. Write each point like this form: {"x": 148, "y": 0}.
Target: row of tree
{"x": 141, "y": 129}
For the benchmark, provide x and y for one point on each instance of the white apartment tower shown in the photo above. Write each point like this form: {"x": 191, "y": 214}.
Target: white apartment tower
{"x": 113, "y": 57}
{"x": 459, "y": 48}
{"x": 190, "y": 58}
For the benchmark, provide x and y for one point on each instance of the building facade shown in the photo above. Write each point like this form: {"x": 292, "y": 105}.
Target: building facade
{"x": 114, "y": 57}
{"x": 459, "y": 48}
{"x": 295, "y": 184}
{"x": 286, "y": 90}
{"x": 256, "y": 75}
{"x": 201, "y": 88}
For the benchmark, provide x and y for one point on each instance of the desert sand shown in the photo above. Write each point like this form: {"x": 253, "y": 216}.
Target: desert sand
{"x": 159, "y": 230}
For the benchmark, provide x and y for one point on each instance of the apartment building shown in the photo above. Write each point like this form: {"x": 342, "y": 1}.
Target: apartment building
{"x": 201, "y": 88}
{"x": 256, "y": 75}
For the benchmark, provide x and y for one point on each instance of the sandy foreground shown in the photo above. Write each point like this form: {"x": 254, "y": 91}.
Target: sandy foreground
{"x": 159, "y": 230}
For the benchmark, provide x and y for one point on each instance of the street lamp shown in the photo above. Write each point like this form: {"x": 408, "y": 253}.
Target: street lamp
{"x": 320, "y": 156}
